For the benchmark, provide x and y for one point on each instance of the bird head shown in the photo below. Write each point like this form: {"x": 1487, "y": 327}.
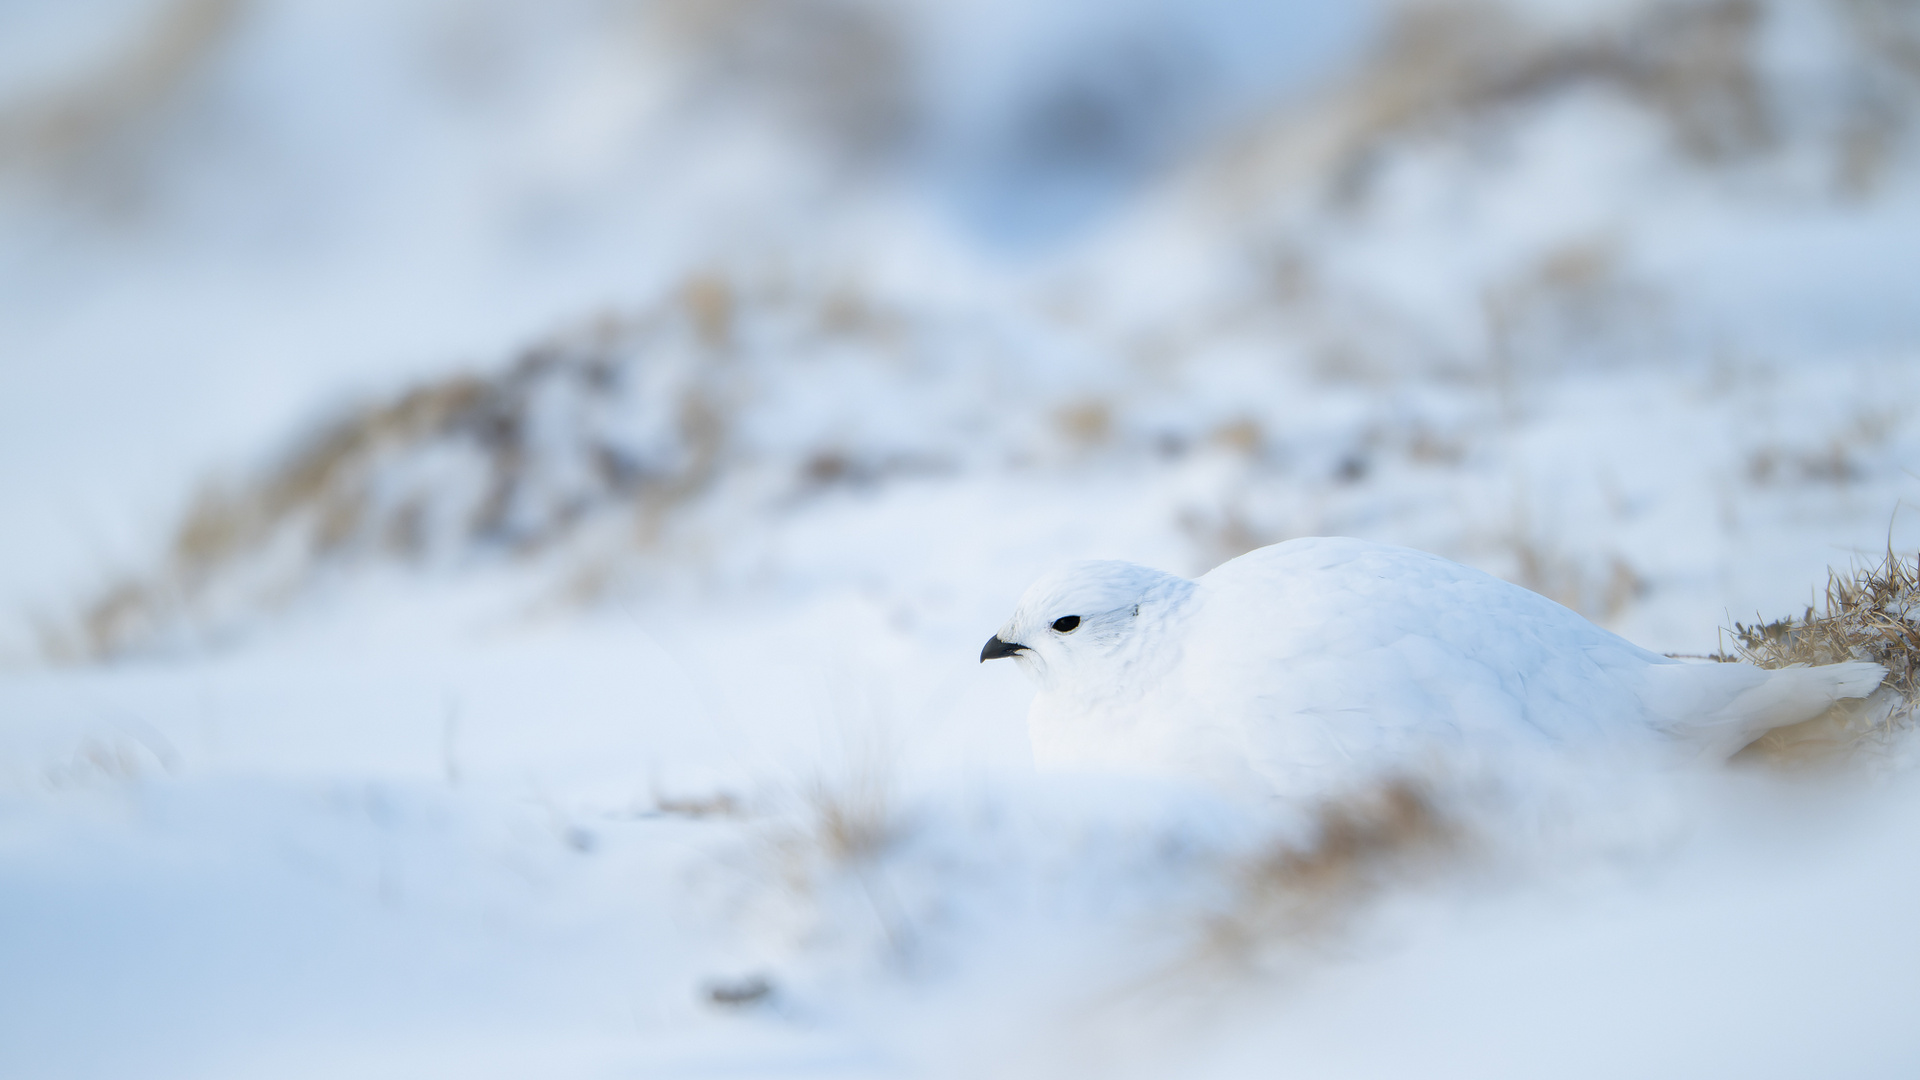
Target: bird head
{"x": 1082, "y": 617}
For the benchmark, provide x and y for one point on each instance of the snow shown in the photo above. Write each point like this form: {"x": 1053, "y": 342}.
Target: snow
{"x": 455, "y": 813}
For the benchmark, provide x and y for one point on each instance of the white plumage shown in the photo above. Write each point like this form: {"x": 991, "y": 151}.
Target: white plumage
{"x": 1292, "y": 666}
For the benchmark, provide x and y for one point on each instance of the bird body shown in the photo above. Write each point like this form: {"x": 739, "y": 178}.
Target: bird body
{"x": 1299, "y": 663}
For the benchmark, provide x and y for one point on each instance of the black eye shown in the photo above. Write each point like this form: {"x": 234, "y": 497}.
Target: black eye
{"x": 1066, "y": 624}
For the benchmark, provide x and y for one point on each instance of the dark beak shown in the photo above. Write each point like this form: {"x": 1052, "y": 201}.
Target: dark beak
{"x": 995, "y": 649}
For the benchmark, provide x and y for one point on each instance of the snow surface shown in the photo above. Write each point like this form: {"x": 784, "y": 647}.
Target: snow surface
{"x": 752, "y": 808}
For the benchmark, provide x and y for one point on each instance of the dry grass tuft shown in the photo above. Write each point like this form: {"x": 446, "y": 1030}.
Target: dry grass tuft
{"x": 1541, "y": 565}
{"x": 829, "y": 867}
{"x": 596, "y": 440}
{"x": 1600, "y": 597}
{"x": 1085, "y": 424}
{"x": 614, "y": 416}
{"x": 1691, "y": 63}
{"x": 839, "y": 71}
{"x": 1245, "y": 436}
{"x": 1834, "y": 464}
{"x": 1426, "y": 446}
{"x": 1870, "y": 613}
{"x": 711, "y": 303}
{"x": 1880, "y": 106}
{"x": 1843, "y": 458}
{"x": 1293, "y": 894}
{"x": 1574, "y": 300}
{"x": 722, "y": 805}
{"x": 1225, "y": 531}
{"x": 1442, "y": 65}
{"x": 84, "y": 132}
{"x": 854, "y": 822}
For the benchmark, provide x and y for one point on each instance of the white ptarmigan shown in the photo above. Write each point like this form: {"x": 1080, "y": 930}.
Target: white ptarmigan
{"x": 1303, "y": 661}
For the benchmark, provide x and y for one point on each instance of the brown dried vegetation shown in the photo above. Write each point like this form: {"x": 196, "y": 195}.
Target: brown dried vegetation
{"x": 839, "y": 70}
{"x": 839, "y": 843}
{"x": 1442, "y": 64}
{"x": 628, "y": 419}
{"x": 1839, "y": 461}
{"x": 1601, "y": 596}
{"x": 1870, "y": 613}
{"x": 461, "y": 462}
{"x": 82, "y": 135}
{"x": 1226, "y": 531}
{"x": 1690, "y": 63}
{"x": 852, "y": 823}
{"x": 1085, "y": 424}
{"x": 1294, "y": 894}
{"x": 1575, "y": 299}
{"x": 718, "y": 805}
{"x": 1880, "y": 103}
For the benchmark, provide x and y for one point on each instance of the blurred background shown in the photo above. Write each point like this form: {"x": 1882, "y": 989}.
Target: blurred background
{"x": 433, "y": 430}
{"x": 1591, "y": 294}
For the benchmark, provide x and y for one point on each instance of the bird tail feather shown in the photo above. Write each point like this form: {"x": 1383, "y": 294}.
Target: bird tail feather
{"x": 1723, "y": 707}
